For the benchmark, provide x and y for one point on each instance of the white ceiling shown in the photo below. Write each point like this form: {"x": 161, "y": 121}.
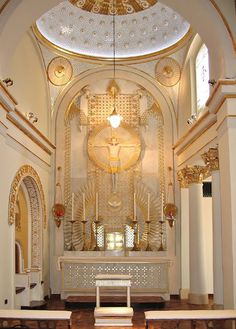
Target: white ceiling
{"x": 137, "y": 34}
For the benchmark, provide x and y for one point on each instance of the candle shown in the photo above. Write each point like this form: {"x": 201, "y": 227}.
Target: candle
{"x": 83, "y": 206}
{"x": 96, "y": 205}
{"x": 72, "y": 206}
{"x": 162, "y": 205}
{"x": 148, "y": 207}
{"x": 134, "y": 205}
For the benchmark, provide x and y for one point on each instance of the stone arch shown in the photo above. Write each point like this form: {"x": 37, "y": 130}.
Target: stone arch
{"x": 29, "y": 177}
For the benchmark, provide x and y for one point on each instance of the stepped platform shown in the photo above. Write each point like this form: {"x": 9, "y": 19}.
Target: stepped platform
{"x": 113, "y": 316}
{"x": 106, "y": 300}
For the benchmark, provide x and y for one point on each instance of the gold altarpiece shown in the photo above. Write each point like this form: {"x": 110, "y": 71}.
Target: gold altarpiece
{"x": 114, "y": 164}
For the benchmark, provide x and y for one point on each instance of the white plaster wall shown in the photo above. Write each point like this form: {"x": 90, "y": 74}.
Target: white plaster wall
{"x": 30, "y": 83}
{"x": 185, "y": 103}
{"x": 228, "y": 10}
{"x": 14, "y": 157}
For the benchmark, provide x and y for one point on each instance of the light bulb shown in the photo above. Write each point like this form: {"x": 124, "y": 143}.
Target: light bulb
{"x": 115, "y": 119}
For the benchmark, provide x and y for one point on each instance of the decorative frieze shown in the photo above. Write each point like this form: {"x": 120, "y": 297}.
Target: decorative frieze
{"x": 211, "y": 159}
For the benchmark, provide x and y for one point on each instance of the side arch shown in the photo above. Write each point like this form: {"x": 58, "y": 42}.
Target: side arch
{"x": 30, "y": 178}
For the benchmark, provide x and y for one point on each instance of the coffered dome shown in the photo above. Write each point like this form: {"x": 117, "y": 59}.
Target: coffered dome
{"x": 85, "y": 33}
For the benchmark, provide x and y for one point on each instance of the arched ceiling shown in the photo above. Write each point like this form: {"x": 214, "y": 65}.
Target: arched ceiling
{"x": 83, "y": 32}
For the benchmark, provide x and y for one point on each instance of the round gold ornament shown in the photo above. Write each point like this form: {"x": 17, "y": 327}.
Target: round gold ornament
{"x": 170, "y": 210}
{"x": 168, "y": 71}
{"x": 59, "y": 71}
{"x": 105, "y": 7}
{"x": 114, "y": 151}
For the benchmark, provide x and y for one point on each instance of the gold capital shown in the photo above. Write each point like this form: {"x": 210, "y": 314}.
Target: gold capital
{"x": 211, "y": 159}
{"x": 182, "y": 178}
{"x": 192, "y": 175}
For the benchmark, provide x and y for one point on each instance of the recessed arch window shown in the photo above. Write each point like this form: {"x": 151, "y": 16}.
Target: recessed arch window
{"x": 202, "y": 77}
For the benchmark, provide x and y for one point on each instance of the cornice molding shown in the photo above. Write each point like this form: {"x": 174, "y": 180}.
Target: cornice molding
{"x": 224, "y": 89}
{"x": 19, "y": 121}
{"x": 205, "y": 122}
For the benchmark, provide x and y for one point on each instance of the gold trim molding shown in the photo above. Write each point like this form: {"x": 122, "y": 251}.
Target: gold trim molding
{"x": 225, "y": 23}
{"x": 148, "y": 57}
{"x": 211, "y": 159}
{"x": 9, "y": 95}
{"x": 24, "y": 172}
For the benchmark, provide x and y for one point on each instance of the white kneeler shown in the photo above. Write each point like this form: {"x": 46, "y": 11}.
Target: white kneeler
{"x": 113, "y": 316}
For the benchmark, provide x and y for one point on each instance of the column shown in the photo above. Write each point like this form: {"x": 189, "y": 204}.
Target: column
{"x": 227, "y": 161}
{"x": 212, "y": 162}
{"x": 184, "y": 233}
{"x": 198, "y": 270}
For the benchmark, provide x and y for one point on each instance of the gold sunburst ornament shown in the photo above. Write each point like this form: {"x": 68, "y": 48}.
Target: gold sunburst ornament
{"x": 105, "y": 7}
{"x": 59, "y": 71}
{"x": 168, "y": 71}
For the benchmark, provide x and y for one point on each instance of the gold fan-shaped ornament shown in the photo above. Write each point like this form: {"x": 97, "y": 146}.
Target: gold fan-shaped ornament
{"x": 168, "y": 71}
{"x": 105, "y": 7}
{"x": 59, "y": 71}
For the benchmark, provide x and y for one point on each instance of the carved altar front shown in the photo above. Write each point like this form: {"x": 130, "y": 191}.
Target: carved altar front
{"x": 150, "y": 275}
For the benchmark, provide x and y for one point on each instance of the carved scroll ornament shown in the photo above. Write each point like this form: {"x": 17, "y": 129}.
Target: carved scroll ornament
{"x": 22, "y": 173}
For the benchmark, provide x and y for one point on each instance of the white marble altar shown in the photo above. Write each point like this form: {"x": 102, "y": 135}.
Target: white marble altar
{"x": 150, "y": 274}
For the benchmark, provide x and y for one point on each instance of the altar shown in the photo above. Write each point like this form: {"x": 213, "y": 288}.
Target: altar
{"x": 118, "y": 202}
{"x": 150, "y": 275}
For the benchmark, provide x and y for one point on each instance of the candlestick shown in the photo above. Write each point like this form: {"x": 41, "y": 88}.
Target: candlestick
{"x": 148, "y": 207}
{"x": 72, "y": 206}
{"x": 96, "y": 206}
{"x": 84, "y": 207}
{"x": 134, "y": 205}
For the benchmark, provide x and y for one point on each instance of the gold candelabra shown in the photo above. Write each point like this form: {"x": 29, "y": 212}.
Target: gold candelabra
{"x": 83, "y": 222}
{"x": 72, "y": 247}
{"x": 161, "y": 248}
{"x": 96, "y": 222}
{"x": 135, "y": 228}
{"x": 148, "y": 247}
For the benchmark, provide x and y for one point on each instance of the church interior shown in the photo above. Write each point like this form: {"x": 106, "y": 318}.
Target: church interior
{"x": 118, "y": 131}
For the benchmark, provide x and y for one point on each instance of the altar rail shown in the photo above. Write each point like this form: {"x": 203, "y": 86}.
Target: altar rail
{"x": 150, "y": 276}
{"x": 177, "y": 317}
{"x": 43, "y": 319}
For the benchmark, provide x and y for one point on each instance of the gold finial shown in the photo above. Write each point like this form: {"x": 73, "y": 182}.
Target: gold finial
{"x": 113, "y": 89}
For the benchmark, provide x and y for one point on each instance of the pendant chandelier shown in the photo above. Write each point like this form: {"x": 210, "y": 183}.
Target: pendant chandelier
{"x": 115, "y": 118}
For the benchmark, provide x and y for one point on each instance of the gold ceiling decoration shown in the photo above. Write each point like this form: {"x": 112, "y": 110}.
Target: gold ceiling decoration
{"x": 59, "y": 71}
{"x": 168, "y": 71}
{"x": 105, "y": 7}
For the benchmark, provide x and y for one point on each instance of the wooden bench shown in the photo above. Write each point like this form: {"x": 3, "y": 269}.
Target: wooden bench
{"x": 42, "y": 319}
{"x": 192, "y": 316}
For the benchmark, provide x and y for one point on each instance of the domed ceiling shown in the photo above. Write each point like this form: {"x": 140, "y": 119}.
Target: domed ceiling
{"x": 84, "y": 28}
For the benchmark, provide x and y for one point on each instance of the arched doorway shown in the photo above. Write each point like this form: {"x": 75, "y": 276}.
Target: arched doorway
{"x": 27, "y": 186}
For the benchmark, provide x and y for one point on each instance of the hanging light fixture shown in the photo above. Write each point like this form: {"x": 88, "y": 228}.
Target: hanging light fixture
{"x": 115, "y": 118}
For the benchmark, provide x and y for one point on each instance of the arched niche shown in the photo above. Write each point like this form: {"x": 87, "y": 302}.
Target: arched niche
{"x": 131, "y": 74}
{"x": 28, "y": 178}
{"x": 209, "y": 23}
